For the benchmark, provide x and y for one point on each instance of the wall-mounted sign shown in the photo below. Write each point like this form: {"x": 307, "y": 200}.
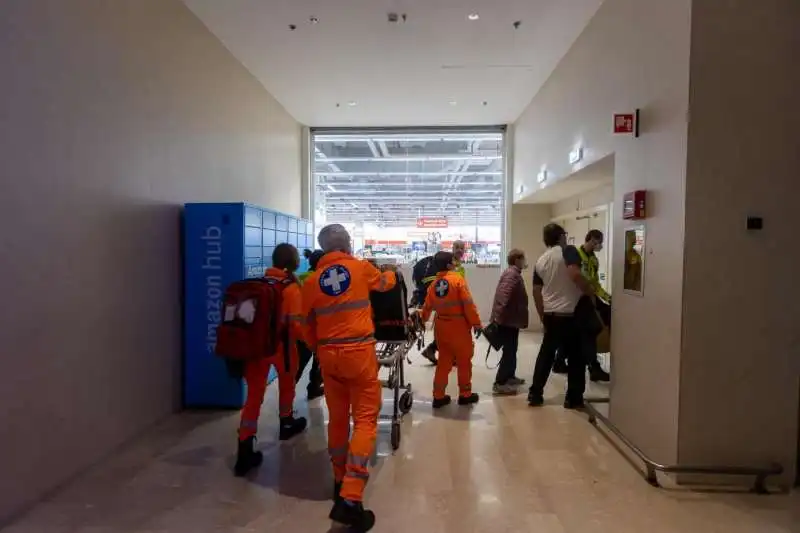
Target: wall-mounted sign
{"x": 634, "y": 205}
{"x": 541, "y": 177}
{"x": 575, "y": 156}
{"x": 432, "y": 222}
{"x": 626, "y": 123}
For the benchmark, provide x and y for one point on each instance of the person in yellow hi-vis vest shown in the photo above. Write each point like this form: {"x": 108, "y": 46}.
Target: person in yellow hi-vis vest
{"x": 459, "y": 248}
{"x": 314, "y": 388}
{"x": 590, "y": 267}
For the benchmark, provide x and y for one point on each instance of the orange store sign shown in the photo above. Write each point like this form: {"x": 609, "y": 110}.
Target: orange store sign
{"x": 432, "y": 222}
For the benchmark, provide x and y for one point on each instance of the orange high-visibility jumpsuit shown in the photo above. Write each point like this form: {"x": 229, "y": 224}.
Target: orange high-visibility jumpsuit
{"x": 285, "y": 360}
{"x": 340, "y": 330}
{"x": 456, "y": 315}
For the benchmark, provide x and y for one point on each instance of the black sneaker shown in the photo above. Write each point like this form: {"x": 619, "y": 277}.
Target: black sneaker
{"x": 353, "y": 515}
{"x": 429, "y": 353}
{"x": 535, "y": 400}
{"x": 560, "y": 366}
{"x": 337, "y": 488}
{"x": 574, "y": 404}
{"x": 438, "y": 403}
{"x": 291, "y": 426}
{"x": 315, "y": 392}
{"x": 598, "y": 374}
{"x": 247, "y": 458}
{"x": 468, "y": 400}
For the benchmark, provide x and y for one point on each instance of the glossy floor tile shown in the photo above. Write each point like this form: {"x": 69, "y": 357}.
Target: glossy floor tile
{"x": 498, "y": 467}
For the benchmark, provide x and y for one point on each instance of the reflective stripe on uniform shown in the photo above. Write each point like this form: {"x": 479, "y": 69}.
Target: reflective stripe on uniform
{"x": 360, "y": 461}
{"x": 429, "y": 279}
{"x": 357, "y": 475}
{"x": 347, "y": 340}
{"x": 344, "y": 306}
{"x": 338, "y": 455}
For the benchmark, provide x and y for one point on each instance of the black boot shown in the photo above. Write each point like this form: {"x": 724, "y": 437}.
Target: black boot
{"x": 438, "y": 403}
{"x": 247, "y": 458}
{"x": 353, "y": 515}
{"x": 574, "y": 403}
{"x": 291, "y": 426}
{"x": 337, "y": 488}
{"x": 429, "y": 353}
{"x": 315, "y": 392}
{"x": 596, "y": 373}
{"x": 468, "y": 400}
{"x": 560, "y": 366}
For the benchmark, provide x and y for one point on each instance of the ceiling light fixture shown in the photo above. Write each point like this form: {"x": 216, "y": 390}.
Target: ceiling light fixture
{"x": 453, "y": 102}
{"x": 473, "y": 16}
{"x": 352, "y": 103}
{"x": 313, "y": 20}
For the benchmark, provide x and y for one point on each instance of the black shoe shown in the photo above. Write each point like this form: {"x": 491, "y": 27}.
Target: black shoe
{"x": 598, "y": 374}
{"x": 291, "y": 426}
{"x": 337, "y": 488}
{"x": 315, "y": 392}
{"x": 535, "y": 400}
{"x": 247, "y": 458}
{"x": 560, "y": 367}
{"x": 574, "y": 404}
{"x": 353, "y": 515}
{"x": 438, "y": 403}
{"x": 468, "y": 400}
{"x": 429, "y": 353}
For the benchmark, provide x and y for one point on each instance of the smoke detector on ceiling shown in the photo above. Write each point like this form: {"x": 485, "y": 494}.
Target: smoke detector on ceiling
{"x": 396, "y": 18}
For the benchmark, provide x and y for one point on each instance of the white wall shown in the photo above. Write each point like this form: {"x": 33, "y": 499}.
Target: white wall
{"x": 526, "y": 222}
{"x": 634, "y": 53}
{"x": 112, "y": 115}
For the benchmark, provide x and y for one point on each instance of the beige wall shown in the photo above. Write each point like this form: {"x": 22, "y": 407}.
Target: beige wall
{"x": 586, "y": 201}
{"x": 741, "y": 327}
{"x": 112, "y": 115}
{"x": 525, "y": 232}
{"x": 634, "y": 53}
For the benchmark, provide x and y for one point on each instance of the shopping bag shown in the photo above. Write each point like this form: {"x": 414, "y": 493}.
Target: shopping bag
{"x": 492, "y": 334}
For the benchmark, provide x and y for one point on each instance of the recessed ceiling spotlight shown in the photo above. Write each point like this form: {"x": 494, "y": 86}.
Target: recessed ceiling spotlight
{"x": 485, "y": 103}
{"x": 352, "y": 103}
{"x": 473, "y": 16}
{"x": 313, "y": 20}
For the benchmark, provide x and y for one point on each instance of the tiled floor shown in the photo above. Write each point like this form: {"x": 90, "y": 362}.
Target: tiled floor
{"x": 500, "y": 467}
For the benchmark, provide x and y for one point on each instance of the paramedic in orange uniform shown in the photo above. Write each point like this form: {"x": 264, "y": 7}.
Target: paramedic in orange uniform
{"x": 285, "y": 261}
{"x": 340, "y": 330}
{"x": 456, "y": 319}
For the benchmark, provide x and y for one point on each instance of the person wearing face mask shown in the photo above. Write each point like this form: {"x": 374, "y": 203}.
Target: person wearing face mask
{"x": 589, "y": 268}
{"x": 459, "y": 248}
{"x": 510, "y": 313}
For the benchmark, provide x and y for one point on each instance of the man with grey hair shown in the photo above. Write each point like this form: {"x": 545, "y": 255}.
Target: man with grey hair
{"x": 340, "y": 330}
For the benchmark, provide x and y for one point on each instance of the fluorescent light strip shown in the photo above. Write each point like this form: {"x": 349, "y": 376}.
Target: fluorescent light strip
{"x": 382, "y": 174}
{"x": 403, "y": 159}
{"x": 409, "y": 138}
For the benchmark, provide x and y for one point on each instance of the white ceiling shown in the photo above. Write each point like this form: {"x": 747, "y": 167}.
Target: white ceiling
{"x": 437, "y": 68}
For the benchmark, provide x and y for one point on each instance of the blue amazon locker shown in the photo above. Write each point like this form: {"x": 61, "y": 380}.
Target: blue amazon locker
{"x": 223, "y": 243}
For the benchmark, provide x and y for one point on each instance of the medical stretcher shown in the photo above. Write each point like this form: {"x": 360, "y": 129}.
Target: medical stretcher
{"x": 397, "y": 330}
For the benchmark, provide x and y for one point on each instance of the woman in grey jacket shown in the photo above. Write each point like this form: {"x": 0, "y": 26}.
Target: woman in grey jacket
{"x": 510, "y": 313}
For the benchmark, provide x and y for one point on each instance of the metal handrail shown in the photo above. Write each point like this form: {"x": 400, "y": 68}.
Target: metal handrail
{"x": 652, "y": 467}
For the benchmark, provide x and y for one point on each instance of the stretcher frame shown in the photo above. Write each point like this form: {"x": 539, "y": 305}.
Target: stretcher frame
{"x": 394, "y": 356}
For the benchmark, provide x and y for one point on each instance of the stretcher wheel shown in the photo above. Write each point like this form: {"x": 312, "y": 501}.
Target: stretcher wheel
{"x": 395, "y": 435}
{"x": 406, "y": 402}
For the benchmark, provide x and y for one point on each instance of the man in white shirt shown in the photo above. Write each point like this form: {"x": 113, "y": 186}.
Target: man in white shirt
{"x": 559, "y": 289}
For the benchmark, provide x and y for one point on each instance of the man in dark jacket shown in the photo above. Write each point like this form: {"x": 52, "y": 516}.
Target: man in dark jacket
{"x": 510, "y": 313}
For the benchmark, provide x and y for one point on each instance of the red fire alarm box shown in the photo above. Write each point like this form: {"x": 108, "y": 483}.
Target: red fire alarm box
{"x": 626, "y": 123}
{"x": 634, "y": 205}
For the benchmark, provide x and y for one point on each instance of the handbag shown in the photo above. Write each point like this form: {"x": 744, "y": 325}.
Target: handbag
{"x": 493, "y": 336}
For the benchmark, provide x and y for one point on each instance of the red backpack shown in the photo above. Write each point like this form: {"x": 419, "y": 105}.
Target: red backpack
{"x": 251, "y": 323}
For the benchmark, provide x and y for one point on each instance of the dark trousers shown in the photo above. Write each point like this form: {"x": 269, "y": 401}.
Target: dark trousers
{"x": 508, "y": 361}
{"x": 562, "y": 334}
{"x": 315, "y": 374}
{"x": 585, "y": 315}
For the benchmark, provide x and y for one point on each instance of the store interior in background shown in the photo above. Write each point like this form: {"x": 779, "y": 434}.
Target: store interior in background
{"x": 405, "y": 194}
